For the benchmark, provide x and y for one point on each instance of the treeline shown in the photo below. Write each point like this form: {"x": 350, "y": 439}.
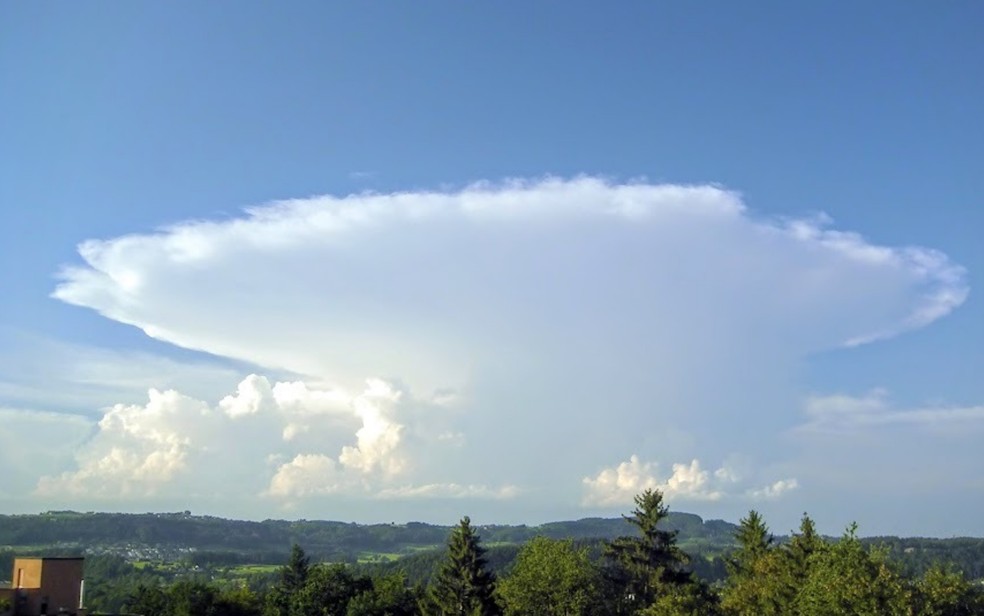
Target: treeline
{"x": 643, "y": 573}
{"x": 218, "y": 540}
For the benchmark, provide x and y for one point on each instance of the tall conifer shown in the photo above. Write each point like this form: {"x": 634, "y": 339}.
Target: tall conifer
{"x": 463, "y": 586}
{"x": 650, "y": 564}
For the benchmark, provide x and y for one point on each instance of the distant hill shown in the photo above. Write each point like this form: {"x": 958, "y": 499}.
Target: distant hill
{"x": 270, "y": 540}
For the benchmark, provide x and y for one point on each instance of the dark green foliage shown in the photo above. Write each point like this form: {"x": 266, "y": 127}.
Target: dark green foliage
{"x": 295, "y": 573}
{"x": 327, "y": 591}
{"x": 293, "y": 578}
{"x": 388, "y": 596}
{"x": 420, "y": 568}
{"x": 191, "y": 598}
{"x": 917, "y": 555}
{"x": 463, "y": 585}
{"x": 110, "y": 582}
{"x": 148, "y": 601}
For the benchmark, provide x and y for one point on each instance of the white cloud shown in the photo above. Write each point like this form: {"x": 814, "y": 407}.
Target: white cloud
{"x": 252, "y": 395}
{"x": 380, "y": 435}
{"x": 357, "y": 286}
{"x": 774, "y": 490}
{"x": 556, "y": 323}
{"x": 618, "y": 485}
{"x": 137, "y": 449}
{"x": 306, "y": 475}
{"x": 175, "y": 444}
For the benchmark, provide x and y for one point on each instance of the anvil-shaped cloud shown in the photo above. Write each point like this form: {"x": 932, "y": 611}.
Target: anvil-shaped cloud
{"x": 569, "y": 323}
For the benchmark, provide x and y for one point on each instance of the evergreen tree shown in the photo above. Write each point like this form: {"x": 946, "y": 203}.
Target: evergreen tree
{"x": 756, "y": 584}
{"x": 293, "y": 577}
{"x": 802, "y": 547}
{"x": 647, "y": 565}
{"x": 295, "y": 573}
{"x": 753, "y": 539}
{"x": 801, "y": 553}
{"x": 463, "y": 586}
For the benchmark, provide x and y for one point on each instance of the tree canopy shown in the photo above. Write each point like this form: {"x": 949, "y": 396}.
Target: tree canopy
{"x": 551, "y": 578}
{"x": 644, "y": 572}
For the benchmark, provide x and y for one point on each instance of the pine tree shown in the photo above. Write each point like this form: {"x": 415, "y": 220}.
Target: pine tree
{"x": 463, "y": 586}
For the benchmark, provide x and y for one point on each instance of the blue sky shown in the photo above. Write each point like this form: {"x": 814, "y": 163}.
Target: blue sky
{"x": 486, "y": 326}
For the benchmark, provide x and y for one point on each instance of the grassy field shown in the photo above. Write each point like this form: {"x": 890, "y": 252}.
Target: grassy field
{"x": 247, "y": 570}
{"x": 378, "y": 557}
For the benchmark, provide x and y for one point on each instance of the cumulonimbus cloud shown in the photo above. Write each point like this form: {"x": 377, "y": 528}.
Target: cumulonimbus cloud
{"x": 576, "y": 320}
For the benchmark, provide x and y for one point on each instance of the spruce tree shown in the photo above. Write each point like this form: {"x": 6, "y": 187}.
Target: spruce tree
{"x": 757, "y": 580}
{"x": 802, "y": 547}
{"x": 463, "y": 586}
{"x": 295, "y": 573}
{"x": 293, "y": 576}
{"x": 649, "y": 565}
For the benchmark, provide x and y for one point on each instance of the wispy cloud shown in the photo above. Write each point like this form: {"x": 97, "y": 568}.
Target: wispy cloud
{"x": 44, "y": 374}
{"x": 361, "y": 175}
{"x": 841, "y": 413}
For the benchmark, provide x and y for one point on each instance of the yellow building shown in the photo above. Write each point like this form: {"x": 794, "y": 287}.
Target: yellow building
{"x": 45, "y": 586}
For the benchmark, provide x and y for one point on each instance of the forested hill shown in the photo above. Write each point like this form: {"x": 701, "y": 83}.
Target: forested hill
{"x": 114, "y": 532}
{"x": 209, "y": 541}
